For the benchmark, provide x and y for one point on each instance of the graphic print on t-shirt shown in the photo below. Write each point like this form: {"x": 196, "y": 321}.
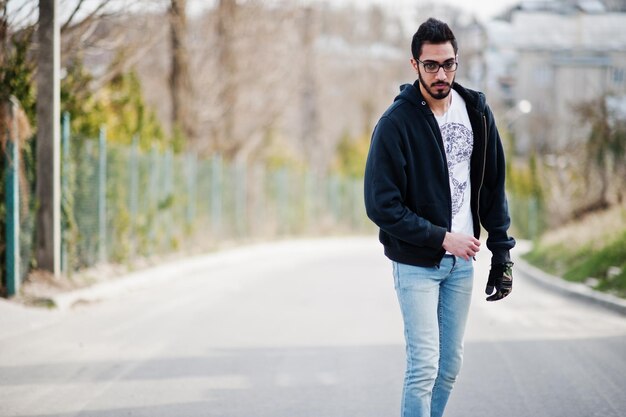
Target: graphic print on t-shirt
{"x": 458, "y": 141}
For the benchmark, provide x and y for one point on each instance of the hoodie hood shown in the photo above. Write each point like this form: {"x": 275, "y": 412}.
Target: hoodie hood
{"x": 410, "y": 93}
{"x": 413, "y": 94}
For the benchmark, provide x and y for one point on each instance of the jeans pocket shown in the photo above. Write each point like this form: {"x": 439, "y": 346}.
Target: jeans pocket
{"x": 411, "y": 277}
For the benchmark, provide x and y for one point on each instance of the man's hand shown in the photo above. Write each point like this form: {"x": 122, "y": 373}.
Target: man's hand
{"x": 500, "y": 278}
{"x": 463, "y": 246}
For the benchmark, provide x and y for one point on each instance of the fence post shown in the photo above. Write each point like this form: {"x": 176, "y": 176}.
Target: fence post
{"x": 153, "y": 199}
{"x": 308, "y": 199}
{"x": 168, "y": 188}
{"x": 358, "y": 208}
{"x": 533, "y": 212}
{"x": 102, "y": 194}
{"x": 258, "y": 201}
{"x": 13, "y": 205}
{"x": 216, "y": 196}
{"x": 134, "y": 192}
{"x": 192, "y": 181}
{"x": 312, "y": 202}
{"x": 282, "y": 183}
{"x": 241, "y": 198}
{"x": 65, "y": 187}
{"x": 333, "y": 196}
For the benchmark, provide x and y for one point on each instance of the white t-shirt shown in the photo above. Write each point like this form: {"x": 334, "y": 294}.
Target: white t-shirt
{"x": 458, "y": 140}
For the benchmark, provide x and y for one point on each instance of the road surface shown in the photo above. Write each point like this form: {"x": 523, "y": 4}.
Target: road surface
{"x": 297, "y": 329}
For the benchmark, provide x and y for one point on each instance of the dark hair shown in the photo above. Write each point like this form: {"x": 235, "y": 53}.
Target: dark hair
{"x": 432, "y": 31}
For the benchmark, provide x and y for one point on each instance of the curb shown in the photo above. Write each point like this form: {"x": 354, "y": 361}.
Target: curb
{"x": 111, "y": 288}
{"x": 575, "y": 290}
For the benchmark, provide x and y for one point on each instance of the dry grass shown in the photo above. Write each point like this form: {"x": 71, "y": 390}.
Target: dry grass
{"x": 591, "y": 247}
{"x": 595, "y": 230}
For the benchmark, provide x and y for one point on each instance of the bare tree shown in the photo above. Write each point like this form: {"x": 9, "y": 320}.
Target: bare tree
{"x": 245, "y": 69}
{"x": 227, "y": 68}
{"x": 103, "y": 31}
{"x": 309, "y": 100}
{"x": 48, "y": 246}
{"x": 3, "y": 30}
{"x": 182, "y": 114}
{"x": 604, "y": 151}
{"x": 86, "y": 28}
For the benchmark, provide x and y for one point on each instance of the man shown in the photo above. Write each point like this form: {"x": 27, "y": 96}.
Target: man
{"x": 434, "y": 175}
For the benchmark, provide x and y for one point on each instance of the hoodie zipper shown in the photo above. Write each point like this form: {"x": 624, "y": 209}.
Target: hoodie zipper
{"x": 441, "y": 145}
{"x": 482, "y": 177}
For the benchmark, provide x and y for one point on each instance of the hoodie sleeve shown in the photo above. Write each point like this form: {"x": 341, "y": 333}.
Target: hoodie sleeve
{"x": 385, "y": 188}
{"x": 494, "y": 210}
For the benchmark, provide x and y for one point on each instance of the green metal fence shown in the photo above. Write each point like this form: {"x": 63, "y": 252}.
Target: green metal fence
{"x": 16, "y": 202}
{"x": 527, "y": 216}
{"x": 122, "y": 202}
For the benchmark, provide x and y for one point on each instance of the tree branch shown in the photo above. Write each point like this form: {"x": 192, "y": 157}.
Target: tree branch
{"x": 69, "y": 20}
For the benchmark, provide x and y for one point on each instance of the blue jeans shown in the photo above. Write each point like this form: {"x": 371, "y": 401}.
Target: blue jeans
{"x": 434, "y": 302}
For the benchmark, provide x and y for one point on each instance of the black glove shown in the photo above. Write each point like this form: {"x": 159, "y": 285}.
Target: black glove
{"x": 500, "y": 277}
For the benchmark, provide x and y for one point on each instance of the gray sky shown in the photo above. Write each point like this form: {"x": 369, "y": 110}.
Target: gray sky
{"x": 484, "y": 9}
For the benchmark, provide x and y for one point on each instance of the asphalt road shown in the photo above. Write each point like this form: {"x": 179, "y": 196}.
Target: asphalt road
{"x": 296, "y": 329}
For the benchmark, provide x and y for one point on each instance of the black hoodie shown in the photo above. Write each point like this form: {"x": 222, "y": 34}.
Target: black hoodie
{"x": 407, "y": 189}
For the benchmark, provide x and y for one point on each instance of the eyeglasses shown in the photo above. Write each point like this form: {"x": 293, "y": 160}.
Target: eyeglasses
{"x": 433, "y": 67}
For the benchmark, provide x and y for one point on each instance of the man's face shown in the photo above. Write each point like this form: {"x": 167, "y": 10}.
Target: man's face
{"x": 438, "y": 84}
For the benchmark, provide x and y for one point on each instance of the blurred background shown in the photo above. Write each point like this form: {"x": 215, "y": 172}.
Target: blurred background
{"x": 190, "y": 125}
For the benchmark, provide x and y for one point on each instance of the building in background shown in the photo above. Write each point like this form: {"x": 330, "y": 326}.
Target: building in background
{"x": 555, "y": 55}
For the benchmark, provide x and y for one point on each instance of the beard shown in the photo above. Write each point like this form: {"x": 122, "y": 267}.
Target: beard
{"x": 437, "y": 90}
